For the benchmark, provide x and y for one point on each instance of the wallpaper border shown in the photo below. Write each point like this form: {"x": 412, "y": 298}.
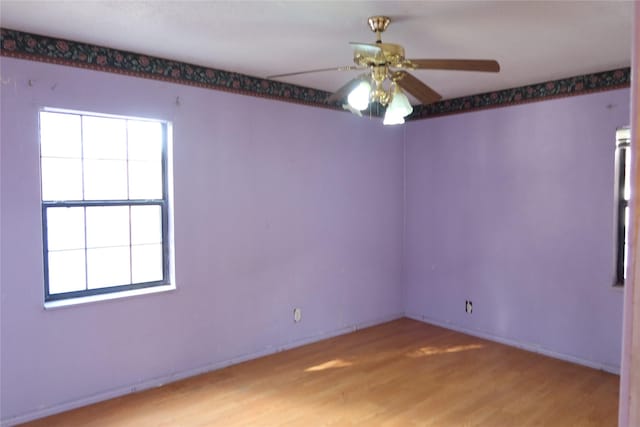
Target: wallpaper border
{"x": 552, "y": 89}
{"x": 22, "y": 45}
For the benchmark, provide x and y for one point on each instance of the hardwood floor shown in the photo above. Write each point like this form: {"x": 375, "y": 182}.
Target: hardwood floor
{"x": 402, "y": 373}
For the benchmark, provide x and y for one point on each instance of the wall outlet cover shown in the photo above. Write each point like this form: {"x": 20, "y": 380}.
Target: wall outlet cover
{"x": 468, "y": 306}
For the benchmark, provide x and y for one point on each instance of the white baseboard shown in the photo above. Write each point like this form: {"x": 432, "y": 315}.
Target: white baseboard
{"x": 518, "y": 344}
{"x": 159, "y": 381}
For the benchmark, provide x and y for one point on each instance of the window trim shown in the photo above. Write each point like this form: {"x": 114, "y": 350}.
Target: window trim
{"x": 69, "y": 302}
{"x": 110, "y": 292}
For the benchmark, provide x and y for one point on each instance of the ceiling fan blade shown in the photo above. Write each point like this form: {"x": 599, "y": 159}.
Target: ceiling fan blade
{"x": 318, "y": 70}
{"x": 346, "y": 89}
{"x": 488, "y": 65}
{"x": 421, "y": 91}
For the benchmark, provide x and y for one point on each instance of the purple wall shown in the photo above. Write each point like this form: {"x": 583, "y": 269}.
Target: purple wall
{"x": 276, "y": 206}
{"x": 280, "y": 206}
{"x": 513, "y": 209}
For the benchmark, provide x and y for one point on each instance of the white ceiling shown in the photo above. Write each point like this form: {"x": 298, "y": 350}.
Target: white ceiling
{"x": 533, "y": 41}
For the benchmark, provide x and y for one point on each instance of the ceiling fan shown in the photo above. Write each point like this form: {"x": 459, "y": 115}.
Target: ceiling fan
{"x": 386, "y": 73}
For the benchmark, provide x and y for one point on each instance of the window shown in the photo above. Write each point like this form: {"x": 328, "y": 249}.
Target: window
{"x": 104, "y": 203}
{"x": 623, "y": 196}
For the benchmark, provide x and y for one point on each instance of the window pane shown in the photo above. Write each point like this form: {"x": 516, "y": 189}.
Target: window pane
{"x": 627, "y": 174}
{"x": 108, "y": 267}
{"x": 146, "y": 262}
{"x": 105, "y": 179}
{"x": 104, "y": 138}
{"x": 145, "y": 180}
{"x": 66, "y": 271}
{"x": 65, "y": 228}
{"x": 626, "y": 242}
{"x": 145, "y": 140}
{"x": 107, "y": 226}
{"x": 146, "y": 224}
{"x": 60, "y": 135}
{"x": 61, "y": 179}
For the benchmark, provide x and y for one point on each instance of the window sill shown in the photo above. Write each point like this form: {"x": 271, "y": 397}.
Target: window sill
{"x": 52, "y": 305}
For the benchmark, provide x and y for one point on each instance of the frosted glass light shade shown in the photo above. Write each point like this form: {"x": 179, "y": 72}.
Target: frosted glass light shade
{"x": 392, "y": 119}
{"x": 398, "y": 108}
{"x": 401, "y": 104}
{"x": 359, "y": 97}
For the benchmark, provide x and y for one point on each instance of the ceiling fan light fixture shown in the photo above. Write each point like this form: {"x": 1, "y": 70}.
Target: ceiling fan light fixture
{"x": 398, "y": 108}
{"x": 358, "y": 99}
{"x": 392, "y": 119}
{"x": 400, "y": 104}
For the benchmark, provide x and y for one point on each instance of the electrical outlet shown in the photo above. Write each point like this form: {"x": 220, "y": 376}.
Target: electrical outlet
{"x": 297, "y": 315}
{"x": 468, "y": 306}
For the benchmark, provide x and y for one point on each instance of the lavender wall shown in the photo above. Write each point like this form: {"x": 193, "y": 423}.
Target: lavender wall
{"x": 513, "y": 209}
{"x": 280, "y": 206}
{"x": 276, "y": 206}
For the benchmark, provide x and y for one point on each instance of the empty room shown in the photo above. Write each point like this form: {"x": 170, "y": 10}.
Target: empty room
{"x": 319, "y": 213}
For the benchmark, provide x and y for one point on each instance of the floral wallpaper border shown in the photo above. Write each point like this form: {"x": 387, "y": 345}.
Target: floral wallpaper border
{"x": 33, "y": 47}
{"x": 22, "y": 45}
{"x": 571, "y": 86}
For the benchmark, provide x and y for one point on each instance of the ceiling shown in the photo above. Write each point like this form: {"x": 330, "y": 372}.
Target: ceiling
{"x": 533, "y": 41}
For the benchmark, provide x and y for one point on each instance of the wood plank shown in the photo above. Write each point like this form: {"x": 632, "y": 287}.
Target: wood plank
{"x": 402, "y": 373}
{"x": 418, "y": 89}
{"x": 488, "y": 65}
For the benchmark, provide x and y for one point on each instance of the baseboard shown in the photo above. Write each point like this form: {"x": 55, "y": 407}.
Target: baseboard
{"x": 518, "y": 344}
{"x": 160, "y": 381}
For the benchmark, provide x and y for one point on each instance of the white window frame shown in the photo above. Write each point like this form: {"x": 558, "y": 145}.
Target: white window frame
{"x": 622, "y": 200}
{"x": 110, "y": 292}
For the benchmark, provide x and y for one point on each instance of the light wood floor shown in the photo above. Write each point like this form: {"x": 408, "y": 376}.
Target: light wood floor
{"x": 402, "y": 373}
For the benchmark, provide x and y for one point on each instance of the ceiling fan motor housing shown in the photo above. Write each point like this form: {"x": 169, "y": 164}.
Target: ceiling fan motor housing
{"x": 388, "y": 54}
